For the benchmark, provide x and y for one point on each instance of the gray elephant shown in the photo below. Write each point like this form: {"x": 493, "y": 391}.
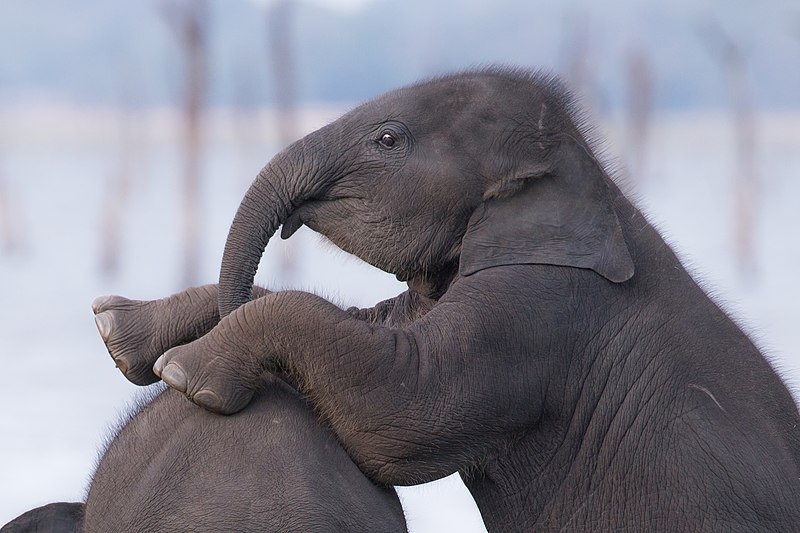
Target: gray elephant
{"x": 176, "y": 467}
{"x": 550, "y": 347}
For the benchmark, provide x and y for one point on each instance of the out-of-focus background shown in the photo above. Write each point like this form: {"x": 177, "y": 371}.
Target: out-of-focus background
{"x": 130, "y": 130}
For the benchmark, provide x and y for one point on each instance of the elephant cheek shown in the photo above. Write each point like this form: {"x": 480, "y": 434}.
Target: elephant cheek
{"x": 328, "y": 220}
{"x": 348, "y": 225}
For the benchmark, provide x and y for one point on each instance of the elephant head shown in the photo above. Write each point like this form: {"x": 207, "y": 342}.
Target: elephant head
{"x": 446, "y": 177}
{"x": 61, "y": 517}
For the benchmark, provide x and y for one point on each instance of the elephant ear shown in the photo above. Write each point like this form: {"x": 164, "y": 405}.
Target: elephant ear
{"x": 561, "y": 215}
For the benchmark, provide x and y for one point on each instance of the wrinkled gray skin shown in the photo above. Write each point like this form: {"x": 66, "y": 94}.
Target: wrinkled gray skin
{"x": 550, "y": 348}
{"x": 174, "y": 467}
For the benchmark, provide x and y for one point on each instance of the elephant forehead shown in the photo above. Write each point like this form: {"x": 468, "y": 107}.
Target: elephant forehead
{"x": 473, "y": 109}
{"x": 441, "y": 96}
{"x": 457, "y": 104}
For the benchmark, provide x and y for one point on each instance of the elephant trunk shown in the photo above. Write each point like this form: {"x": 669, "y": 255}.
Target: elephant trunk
{"x": 271, "y": 199}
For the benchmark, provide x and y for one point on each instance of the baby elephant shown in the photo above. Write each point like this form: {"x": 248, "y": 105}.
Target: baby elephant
{"x": 175, "y": 467}
{"x": 550, "y": 347}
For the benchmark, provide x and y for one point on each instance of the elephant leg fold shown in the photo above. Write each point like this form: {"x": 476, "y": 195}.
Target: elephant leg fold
{"x": 376, "y": 386}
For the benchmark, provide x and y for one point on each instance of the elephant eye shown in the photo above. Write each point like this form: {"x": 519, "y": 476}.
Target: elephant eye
{"x": 387, "y": 139}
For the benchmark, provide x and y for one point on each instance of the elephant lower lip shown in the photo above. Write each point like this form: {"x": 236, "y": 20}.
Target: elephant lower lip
{"x": 293, "y": 223}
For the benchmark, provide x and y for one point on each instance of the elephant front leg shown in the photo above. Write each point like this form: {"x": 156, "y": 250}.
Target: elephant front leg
{"x": 137, "y": 332}
{"x": 408, "y": 404}
{"x": 222, "y": 370}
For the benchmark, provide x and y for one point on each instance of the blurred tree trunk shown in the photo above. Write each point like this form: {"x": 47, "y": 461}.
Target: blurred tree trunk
{"x": 248, "y": 127}
{"x": 747, "y": 186}
{"x": 189, "y": 22}
{"x": 576, "y": 60}
{"x": 116, "y": 198}
{"x": 282, "y": 62}
{"x": 747, "y": 191}
{"x": 640, "y": 110}
{"x": 120, "y": 182}
{"x": 279, "y": 21}
{"x": 8, "y": 240}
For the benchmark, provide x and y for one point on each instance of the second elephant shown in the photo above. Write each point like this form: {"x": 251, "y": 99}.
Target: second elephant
{"x": 174, "y": 467}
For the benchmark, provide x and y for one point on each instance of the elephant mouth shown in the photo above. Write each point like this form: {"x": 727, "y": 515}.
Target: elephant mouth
{"x": 306, "y": 214}
{"x": 311, "y": 212}
{"x": 292, "y": 223}
{"x": 301, "y": 215}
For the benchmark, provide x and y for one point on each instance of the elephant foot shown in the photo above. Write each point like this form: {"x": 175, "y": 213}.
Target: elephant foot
{"x": 132, "y": 335}
{"x": 137, "y": 332}
{"x": 222, "y": 370}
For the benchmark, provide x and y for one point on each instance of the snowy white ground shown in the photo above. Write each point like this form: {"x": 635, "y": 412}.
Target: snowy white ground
{"x": 60, "y": 391}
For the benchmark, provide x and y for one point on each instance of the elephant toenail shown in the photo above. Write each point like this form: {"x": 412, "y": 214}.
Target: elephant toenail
{"x": 122, "y": 364}
{"x": 103, "y": 322}
{"x": 158, "y": 366}
{"x": 99, "y": 303}
{"x": 174, "y": 376}
{"x": 209, "y": 400}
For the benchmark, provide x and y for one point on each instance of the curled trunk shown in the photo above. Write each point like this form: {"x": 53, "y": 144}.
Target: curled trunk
{"x": 267, "y": 205}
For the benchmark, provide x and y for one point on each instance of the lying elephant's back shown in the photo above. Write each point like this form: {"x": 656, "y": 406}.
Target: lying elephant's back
{"x": 273, "y": 466}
